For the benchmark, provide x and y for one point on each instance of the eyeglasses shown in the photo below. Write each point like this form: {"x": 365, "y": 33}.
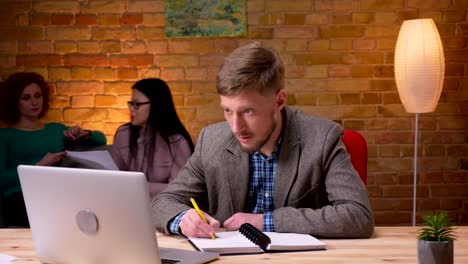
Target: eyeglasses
{"x": 136, "y": 105}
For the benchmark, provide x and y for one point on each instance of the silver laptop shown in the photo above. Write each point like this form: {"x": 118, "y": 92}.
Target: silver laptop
{"x": 94, "y": 216}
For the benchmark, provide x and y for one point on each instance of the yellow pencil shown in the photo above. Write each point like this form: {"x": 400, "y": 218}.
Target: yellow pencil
{"x": 200, "y": 213}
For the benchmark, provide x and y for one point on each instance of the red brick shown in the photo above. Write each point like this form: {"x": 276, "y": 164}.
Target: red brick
{"x": 154, "y": 20}
{"x": 86, "y": 60}
{"x": 202, "y": 100}
{"x": 80, "y": 88}
{"x": 84, "y": 114}
{"x": 22, "y": 33}
{"x": 118, "y": 88}
{"x": 180, "y": 46}
{"x": 85, "y": 20}
{"x": 457, "y": 150}
{"x": 341, "y": 18}
{"x": 103, "y": 6}
{"x": 150, "y": 72}
{"x": 196, "y": 73}
{"x": 377, "y": 124}
{"x": 109, "y": 20}
{"x": 68, "y": 33}
{"x": 133, "y": 47}
{"x": 296, "y": 32}
{"x": 171, "y": 74}
{"x": 111, "y": 46}
{"x": 130, "y": 60}
{"x": 394, "y": 138}
{"x": 62, "y": 20}
{"x": 8, "y": 19}
{"x": 429, "y": 4}
{"x": 344, "y": 31}
{"x": 145, "y": 6}
{"x": 428, "y": 204}
{"x": 391, "y": 98}
{"x": 380, "y": 204}
{"x": 454, "y": 70}
{"x": 56, "y": 6}
{"x": 39, "y": 60}
{"x": 36, "y": 47}
{"x": 383, "y": 85}
{"x": 294, "y": 19}
{"x": 110, "y": 33}
{"x": 7, "y": 61}
{"x": 371, "y": 98}
{"x": 382, "y": 5}
{"x": 40, "y": 19}
{"x": 354, "y": 124}
{"x": 211, "y": 60}
{"x": 127, "y": 73}
{"x": 449, "y": 190}
{"x": 439, "y": 163}
{"x": 197, "y": 87}
{"x": 318, "y": 58}
{"x": 202, "y": 46}
{"x": 364, "y": 44}
{"x": 434, "y": 150}
{"x": 131, "y": 19}
{"x": 185, "y": 87}
{"x": 150, "y": 33}
{"x": 451, "y": 203}
{"x": 157, "y": 47}
{"x": 225, "y": 45}
{"x": 400, "y": 124}
{"x": 392, "y": 218}
{"x": 362, "y": 71}
{"x": 260, "y": 32}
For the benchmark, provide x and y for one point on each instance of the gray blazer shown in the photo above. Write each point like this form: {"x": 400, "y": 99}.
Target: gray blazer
{"x": 317, "y": 190}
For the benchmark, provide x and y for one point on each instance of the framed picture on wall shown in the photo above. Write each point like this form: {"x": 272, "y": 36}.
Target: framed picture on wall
{"x": 205, "y": 18}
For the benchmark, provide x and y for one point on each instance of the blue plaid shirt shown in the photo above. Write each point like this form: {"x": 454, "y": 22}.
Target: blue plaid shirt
{"x": 261, "y": 189}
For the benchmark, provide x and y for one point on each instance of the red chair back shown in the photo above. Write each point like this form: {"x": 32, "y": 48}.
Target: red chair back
{"x": 356, "y": 146}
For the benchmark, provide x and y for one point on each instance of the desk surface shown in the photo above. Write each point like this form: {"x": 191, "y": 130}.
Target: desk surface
{"x": 388, "y": 244}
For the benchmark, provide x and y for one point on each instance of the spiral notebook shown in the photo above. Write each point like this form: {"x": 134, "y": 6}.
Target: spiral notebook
{"x": 249, "y": 240}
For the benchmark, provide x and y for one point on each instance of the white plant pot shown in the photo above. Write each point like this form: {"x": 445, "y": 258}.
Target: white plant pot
{"x": 435, "y": 252}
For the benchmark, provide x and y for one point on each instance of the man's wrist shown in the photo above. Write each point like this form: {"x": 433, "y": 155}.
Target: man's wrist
{"x": 174, "y": 224}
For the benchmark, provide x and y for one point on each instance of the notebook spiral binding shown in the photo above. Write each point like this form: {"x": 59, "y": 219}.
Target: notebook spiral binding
{"x": 255, "y": 235}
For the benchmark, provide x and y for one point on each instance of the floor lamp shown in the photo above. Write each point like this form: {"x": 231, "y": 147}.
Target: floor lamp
{"x": 419, "y": 75}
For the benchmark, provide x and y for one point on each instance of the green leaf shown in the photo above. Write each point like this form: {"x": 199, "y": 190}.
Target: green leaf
{"x": 437, "y": 227}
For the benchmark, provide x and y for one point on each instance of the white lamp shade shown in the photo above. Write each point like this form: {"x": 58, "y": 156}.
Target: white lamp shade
{"x": 419, "y": 65}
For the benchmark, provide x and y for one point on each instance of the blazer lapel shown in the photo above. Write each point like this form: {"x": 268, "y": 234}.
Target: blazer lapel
{"x": 288, "y": 160}
{"x": 236, "y": 164}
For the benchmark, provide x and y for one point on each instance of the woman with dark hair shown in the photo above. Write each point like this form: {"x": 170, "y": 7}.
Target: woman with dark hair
{"x": 27, "y": 140}
{"x": 155, "y": 142}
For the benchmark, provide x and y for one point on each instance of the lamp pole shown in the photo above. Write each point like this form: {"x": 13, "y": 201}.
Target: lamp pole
{"x": 415, "y": 166}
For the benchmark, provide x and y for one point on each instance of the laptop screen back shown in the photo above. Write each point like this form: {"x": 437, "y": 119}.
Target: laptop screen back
{"x": 89, "y": 216}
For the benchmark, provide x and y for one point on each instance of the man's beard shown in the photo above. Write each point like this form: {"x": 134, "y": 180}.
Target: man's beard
{"x": 262, "y": 142}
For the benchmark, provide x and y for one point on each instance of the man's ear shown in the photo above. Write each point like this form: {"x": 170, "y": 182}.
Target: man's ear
{"x": 281, "y": 98}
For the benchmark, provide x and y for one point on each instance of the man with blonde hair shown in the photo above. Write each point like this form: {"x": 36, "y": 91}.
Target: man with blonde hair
{"x": 268, "y": 164}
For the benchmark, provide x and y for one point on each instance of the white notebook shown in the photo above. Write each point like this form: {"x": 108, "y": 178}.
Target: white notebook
{"x": 97, "y": 159}
{"x": 237, "y": 242}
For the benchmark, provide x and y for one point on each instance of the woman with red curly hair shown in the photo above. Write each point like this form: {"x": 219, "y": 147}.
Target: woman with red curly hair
{"x": 28, "y": 140}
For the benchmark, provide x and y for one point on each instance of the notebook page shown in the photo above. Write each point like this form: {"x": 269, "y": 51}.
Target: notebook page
{"x": 293, "y": 241}
{"x": 226, "y": 243}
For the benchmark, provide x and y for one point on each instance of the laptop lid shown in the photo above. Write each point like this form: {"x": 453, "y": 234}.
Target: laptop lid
{"x": 93, "y": 216}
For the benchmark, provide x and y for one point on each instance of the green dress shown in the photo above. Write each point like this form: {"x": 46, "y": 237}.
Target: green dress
{"x": 28, "y": 147}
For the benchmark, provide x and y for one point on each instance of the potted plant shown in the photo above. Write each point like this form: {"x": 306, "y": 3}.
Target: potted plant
{"x": 435, "y": 240}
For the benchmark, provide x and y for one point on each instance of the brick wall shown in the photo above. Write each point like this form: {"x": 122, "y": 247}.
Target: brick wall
{"x": 339, "y": 65}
